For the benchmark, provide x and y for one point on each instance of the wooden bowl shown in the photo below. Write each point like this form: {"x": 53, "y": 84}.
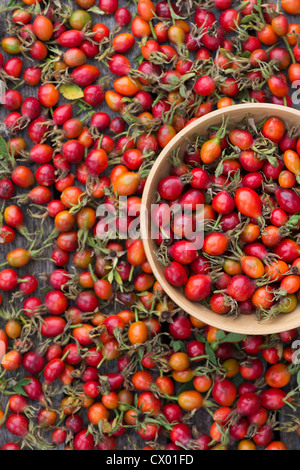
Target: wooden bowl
{"x": 245, "y": 324}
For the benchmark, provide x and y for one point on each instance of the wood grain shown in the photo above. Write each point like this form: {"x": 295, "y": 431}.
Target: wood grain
{"x": 201, "y": 420}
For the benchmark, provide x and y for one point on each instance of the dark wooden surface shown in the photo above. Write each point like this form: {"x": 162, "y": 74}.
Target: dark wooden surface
{"x": 201, "y": 420}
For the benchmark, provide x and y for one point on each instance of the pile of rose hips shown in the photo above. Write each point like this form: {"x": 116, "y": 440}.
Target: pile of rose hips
{"x": 61, "y": 156}
{"x": 244, "y": 183}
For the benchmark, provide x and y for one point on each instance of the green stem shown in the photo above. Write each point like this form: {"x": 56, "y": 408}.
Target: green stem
{"x": 94, "y": 277}
{"x": 152, "y": 30}
{"x": 199, "y": 357}
{"x": 289, "y": 49}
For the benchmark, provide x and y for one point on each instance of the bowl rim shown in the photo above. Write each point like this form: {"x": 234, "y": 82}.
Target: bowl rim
{"x": 220, "y": 320}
